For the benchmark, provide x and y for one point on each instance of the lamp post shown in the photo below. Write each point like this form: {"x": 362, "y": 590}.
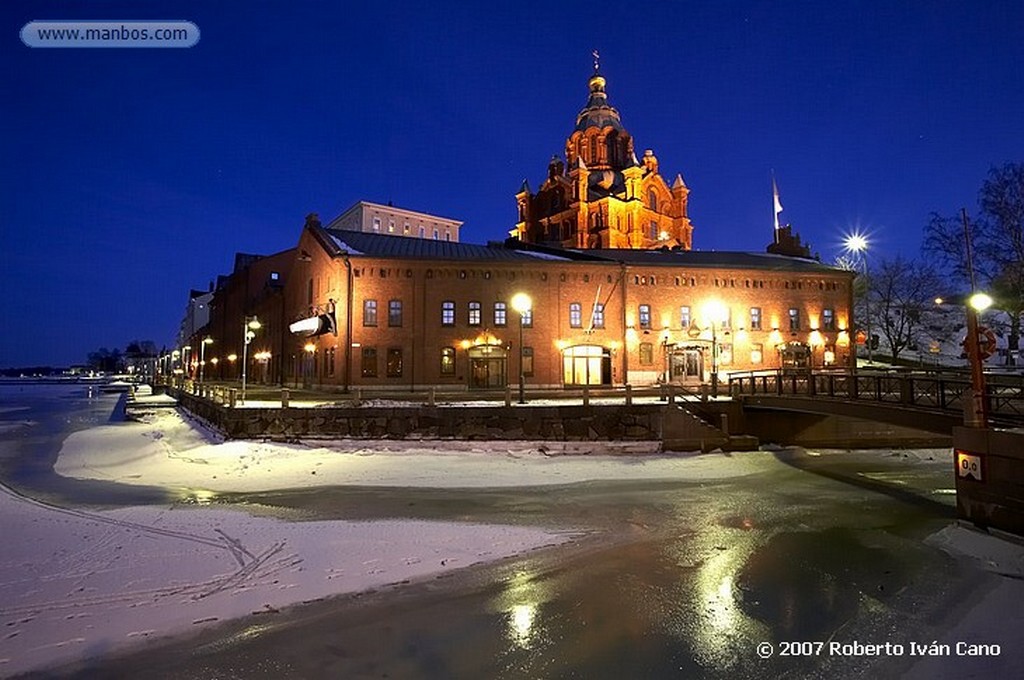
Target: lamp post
{"x": 522, "y": 303}
{"x": 717, "y": 313}
{"x": 185, "y": 351}
{"x": 249, "y": 327}
{"x": 202, "y": 355}
{"x": 857, "y": 243}
{"x": 978, "y": 417}
{"x": 307, "y": 372}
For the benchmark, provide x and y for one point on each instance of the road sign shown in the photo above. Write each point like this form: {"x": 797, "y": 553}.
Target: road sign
{"x": 986, "y": 342}
{"x": 968, "y": 465}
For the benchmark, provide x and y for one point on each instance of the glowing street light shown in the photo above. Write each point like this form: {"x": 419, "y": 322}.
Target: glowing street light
{"x": 522, "y": 303}
{"x": 717, "y": 313}
{"x": 857, "y": 243}
{"x": 202, "y": 355}
{"x": 249, "y": 327}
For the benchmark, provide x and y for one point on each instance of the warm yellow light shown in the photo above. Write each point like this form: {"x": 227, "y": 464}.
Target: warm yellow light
{"x": 232, "y": 357}
{"x": 615, "y": 344}
{"x": 980, "y": 302}
{"x": 939, "y": 301}
{"x": 255, "y": 324}
{"x": 561, "y": 344}
{"x": 465, "y": 344}
{"x": 522, "y": 303}
{"x": 815, "y": 338}
{"x": 214, "y": 361}
{"x": 309, "y": 347}
{"x": 207, "y": 341}
{"x": 715, "y": 311}
{"x": 843, "y": 339}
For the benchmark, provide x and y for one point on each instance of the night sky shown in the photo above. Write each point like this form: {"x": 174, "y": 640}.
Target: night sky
{"x": 129, "y": 176}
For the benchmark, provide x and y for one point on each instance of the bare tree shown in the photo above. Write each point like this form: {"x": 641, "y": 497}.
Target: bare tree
{"x": 997, "y": 235}
{"x": 899, "y": 292}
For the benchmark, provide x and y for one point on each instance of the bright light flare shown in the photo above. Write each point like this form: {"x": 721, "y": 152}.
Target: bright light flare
{"x": 856, "y": 242}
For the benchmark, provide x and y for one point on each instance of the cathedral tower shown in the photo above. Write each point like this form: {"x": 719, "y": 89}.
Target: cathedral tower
{"x": 601, "y": 195}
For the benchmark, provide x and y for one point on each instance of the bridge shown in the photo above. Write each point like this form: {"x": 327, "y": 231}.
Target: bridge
{"x": 931, "y": 400}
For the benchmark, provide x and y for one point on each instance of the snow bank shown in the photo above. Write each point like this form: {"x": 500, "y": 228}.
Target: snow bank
{"x": 76, "y": 584}
{"x": 168, "y": 450}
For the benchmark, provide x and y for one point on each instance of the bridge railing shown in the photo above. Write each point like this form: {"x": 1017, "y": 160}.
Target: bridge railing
{"x": 940, "y": 390}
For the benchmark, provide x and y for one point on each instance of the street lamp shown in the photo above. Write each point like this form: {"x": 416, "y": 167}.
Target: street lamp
{"x": 185, "y": 351}
{"x": 522, "y": 303}
{"x": 857, "y": 243}
{"x": 249, "y": 327}
{"x": 202, "y": 355}
{"x": 717, "y": 313}
{"x": 976, "y": 304}
{"x": 307, "y": 372}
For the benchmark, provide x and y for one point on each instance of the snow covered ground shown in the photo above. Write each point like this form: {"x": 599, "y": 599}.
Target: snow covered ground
{"x": 76, "y": 583}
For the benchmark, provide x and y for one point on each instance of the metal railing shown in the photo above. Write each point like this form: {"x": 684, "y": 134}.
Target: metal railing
{"x": 930, "y": 389}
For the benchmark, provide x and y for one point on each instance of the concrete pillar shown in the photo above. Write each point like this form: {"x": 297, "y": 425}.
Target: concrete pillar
{"x": 431, "y": 396}
{"x": 232, "y": 397}
{"x": 725, "y": 423}
{"x": 508, "y": 395}
{"x": 285, "y": 394}
{"x": 662, "y": 392}
{"x": 586, "y": 395}
{"x": 357, "y": 400}
{"x": 629, "y": 394}
{"x": 671, "y": 395}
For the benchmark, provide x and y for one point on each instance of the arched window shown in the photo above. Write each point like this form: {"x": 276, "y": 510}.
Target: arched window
{"x": 652, "y": 199}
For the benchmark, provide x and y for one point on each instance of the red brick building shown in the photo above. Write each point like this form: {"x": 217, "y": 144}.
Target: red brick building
{"x": 603, "y": 253}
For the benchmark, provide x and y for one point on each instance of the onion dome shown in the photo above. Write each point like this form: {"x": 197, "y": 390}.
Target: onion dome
{"x": 598, "y": 112}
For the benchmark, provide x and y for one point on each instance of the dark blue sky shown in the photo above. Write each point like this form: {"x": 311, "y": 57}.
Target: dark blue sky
{"x": 131, "y": 175}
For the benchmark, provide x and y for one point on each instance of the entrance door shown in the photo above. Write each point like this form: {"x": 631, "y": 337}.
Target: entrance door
{"x": 586, "y": 365}
{"x": 686, "y": 365}
{"x": 487, "y": 367}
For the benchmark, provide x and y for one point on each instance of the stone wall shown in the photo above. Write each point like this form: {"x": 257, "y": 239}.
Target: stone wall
{"x": 989, "y": 467}
{"x": 553, "y": 423}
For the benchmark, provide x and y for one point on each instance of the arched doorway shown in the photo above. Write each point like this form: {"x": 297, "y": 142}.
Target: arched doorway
{"x": 586, "y": 365}
{"x": 487, "y": 366}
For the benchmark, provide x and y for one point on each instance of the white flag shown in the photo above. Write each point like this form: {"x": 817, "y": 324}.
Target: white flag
{"x": 778, "y": 204}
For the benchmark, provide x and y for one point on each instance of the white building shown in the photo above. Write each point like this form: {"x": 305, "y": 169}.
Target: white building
{"x": 386, "y": 219}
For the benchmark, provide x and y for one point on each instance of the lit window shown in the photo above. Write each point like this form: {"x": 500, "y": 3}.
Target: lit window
{"x": 474, "y": 313}
{"x": 756, "y": 353}
{"x": 794, "y": 319}
{"x": 645, "y": 316}
{"x": 394, "y": 363}
{"x": 391, "y": 226}
{"x": 684, "y": 317}
{"x": 395, "y": 313}
{"x": 755, "y": 318}
{"x": 447, "y": 361}
{"x": 500, "y": 313}
{"x": 828, "y": 319}
{"x": 598, "y": 315}
{"x": 448, "y": 313}
{"x": 527, "y": 318}
{"x": 376, "y": 224}
{"x": 575, "y": 315}
{"x": 646, "y": 354}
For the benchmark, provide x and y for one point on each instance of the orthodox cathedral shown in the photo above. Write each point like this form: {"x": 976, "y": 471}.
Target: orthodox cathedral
{"x": 602, "y": 195}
